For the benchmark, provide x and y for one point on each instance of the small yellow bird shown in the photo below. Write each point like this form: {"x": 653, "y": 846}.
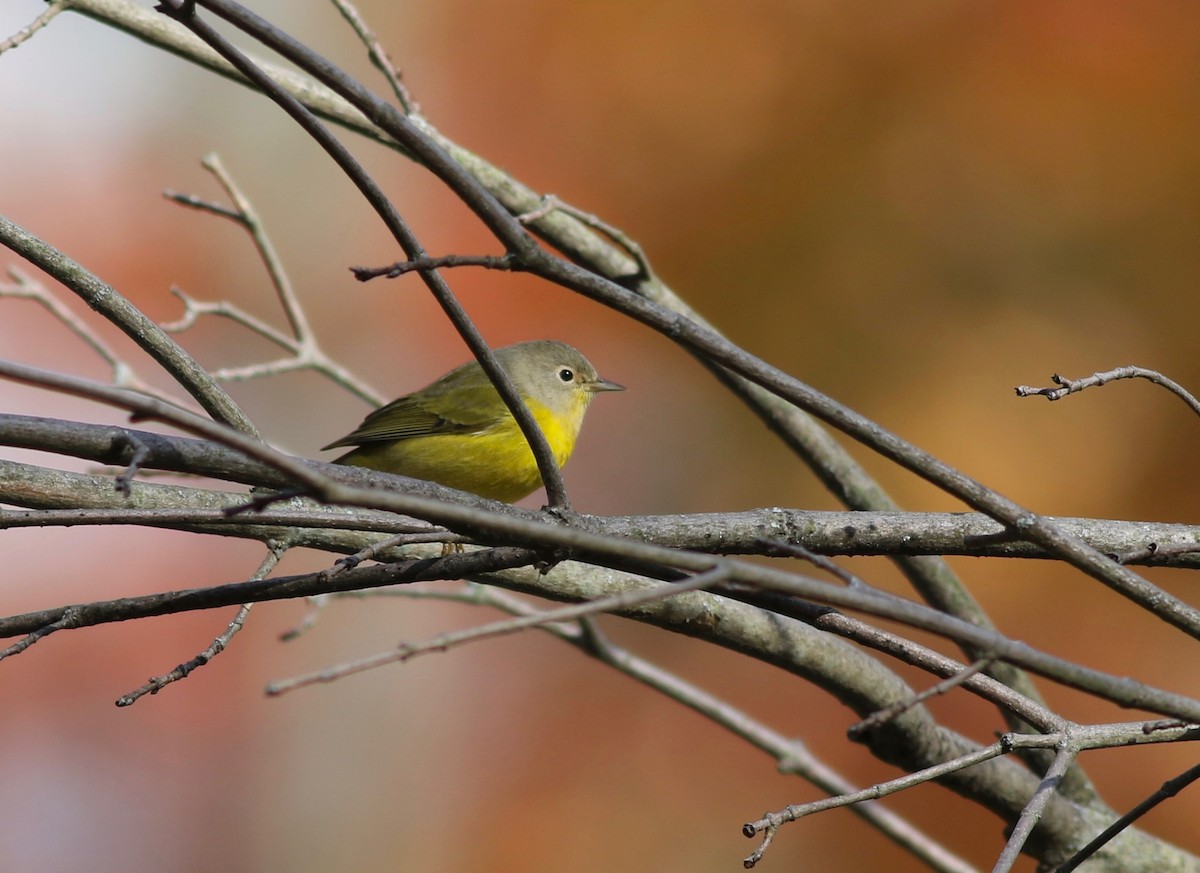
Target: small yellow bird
{"x": 458, "y": 432}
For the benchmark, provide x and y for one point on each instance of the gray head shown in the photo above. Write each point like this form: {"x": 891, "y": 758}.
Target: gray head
{"x": 555, "y": 375}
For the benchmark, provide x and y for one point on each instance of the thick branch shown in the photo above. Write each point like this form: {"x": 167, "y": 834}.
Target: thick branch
{"x": 730, "y": 533}
{"x": 34, "y": 484}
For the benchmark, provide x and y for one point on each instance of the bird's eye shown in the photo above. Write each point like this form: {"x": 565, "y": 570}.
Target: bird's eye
{"x": 566, "y": 374}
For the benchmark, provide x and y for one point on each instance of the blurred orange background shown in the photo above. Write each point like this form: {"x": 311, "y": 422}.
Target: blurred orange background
{"x": 912, "y": 207}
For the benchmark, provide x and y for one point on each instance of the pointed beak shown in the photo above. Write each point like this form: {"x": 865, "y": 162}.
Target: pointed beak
{"x": 604, "y": 385}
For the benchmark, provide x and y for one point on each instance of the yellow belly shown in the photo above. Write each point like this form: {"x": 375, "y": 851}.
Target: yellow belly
{"x": 495, "y": 463}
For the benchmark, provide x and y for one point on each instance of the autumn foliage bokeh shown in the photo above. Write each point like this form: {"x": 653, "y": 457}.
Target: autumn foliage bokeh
{"x": 913, "y": 207}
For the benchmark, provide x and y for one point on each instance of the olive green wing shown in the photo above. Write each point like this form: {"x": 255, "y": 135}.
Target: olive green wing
{"x": 446, "y": 407}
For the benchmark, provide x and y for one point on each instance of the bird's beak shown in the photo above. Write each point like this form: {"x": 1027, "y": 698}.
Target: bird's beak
{"x": 604, "y": 385}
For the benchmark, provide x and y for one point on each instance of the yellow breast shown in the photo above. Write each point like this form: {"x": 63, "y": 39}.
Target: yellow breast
{"x": 496, "y": 462}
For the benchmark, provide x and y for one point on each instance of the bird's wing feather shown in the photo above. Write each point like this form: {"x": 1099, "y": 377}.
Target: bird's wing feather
{"x": 475, "y": 408}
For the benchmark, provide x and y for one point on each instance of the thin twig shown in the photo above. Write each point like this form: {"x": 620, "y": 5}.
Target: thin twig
{"x": 504, "y": 263}
{"x": 33, "y": 27}
{"x": 378, "y": 54}
{"x": 158, "y": 683}
{"x": 140, "y": 452}
{"x": 1158, "y": 553}
{"x": 304, "y": 350}
{"x": 114, "y": 307}
{"x": 1073, "y": 386}
{"x": 25, "y": 287}
{"x": 349, "y": 562}
{"x": 795, "y": 550}
{"x": 1032, "y": 813}
{"x": 898, "y": 708}
{"x": 1167, "y": 790}
{"x": 553, "y": 203}
{"x": 445, "y": 641}
{"x": 316, "y": 606}
{"x": 770, "y": 823}
{"x": 284, "y": 290}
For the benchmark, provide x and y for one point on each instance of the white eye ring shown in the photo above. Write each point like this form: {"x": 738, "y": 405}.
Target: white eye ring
{"x": 566, "y": 374}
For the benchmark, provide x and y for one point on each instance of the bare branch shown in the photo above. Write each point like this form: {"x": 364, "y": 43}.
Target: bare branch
{"x": 378, "y": 54}
{"x": 1032, "y": 812}
{"x": 1069, "y": 743}
{"x": 218, "y": 645}
{"x": 512, "y": 526}
{"x": 26, "y": 32}
{"x": 302, "y": 345}
{"x": 24, "y": 287}
{"x": 120, "y": 312}
{"x": 401, "y": 268}
{"x": 769, "y": 824}
{"x": 623, "y": 600}
{"x": 731, "y": 533}
{"x": 1073, "y": 386}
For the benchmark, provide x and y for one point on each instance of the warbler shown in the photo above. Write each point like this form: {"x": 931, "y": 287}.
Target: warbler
{"x": 458, "y": 432}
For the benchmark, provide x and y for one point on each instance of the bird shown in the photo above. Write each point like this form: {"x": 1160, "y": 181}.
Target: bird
{"x": 458, "y": 432}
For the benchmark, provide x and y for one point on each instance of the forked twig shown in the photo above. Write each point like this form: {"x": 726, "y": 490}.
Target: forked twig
{"x": 304, "y": 350}
{"x": 158, "y": 683}
{"x": 1068, "y": 743}
{"x": 118, "y": 311}
{"x": 25, "y": 287}
{"x": 1073, "y": 386}
{"x": 553, "y": 203}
